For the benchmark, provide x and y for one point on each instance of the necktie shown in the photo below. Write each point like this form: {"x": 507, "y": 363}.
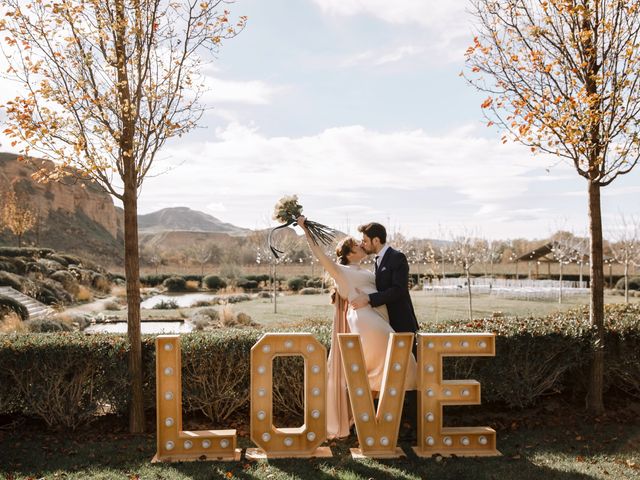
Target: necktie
{"x": 375, "y": 264}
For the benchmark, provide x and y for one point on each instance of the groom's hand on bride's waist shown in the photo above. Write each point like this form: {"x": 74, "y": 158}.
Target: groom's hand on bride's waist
{"x": 362, "y": 300}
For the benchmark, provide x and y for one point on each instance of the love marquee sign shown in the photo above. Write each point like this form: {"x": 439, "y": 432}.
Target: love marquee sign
{"x": 377, "y": 430}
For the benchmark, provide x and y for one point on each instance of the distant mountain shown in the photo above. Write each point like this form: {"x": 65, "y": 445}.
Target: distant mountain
{"x": 184, "y": 219}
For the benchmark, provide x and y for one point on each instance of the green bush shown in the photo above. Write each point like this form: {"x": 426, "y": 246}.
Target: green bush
{"x": 213, "y": 282}
{"x": 153, "y": 280}
{"x": 247, "y": 284}
{"x": 535, "y": 358}
{"x": 12, "y": 280}
{"x": 193, "y": 278}
{"x": 310, "y": 291}
{"x": 314, "y": 282}
{"x": 47, "y": 325}
{"x": 175, "y": 284}
{"x": 166, "y": 305}
{"x": 63, "y": 378}
{"x": 8, "y": 304}
{"x": 68, "y": 281}
{"x": 634, "y": 283}
{"x": 296, "y": 283}
{"x": 30, "y": 252}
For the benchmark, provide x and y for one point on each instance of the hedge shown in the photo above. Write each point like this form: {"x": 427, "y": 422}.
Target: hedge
{"x": 64, "y": 378}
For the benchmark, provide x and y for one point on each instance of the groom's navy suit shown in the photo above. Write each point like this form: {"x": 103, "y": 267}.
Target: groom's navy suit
{"x": 392, "y": 285}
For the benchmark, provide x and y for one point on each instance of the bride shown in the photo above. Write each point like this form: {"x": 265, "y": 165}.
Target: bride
{"x": 372, "y": 324}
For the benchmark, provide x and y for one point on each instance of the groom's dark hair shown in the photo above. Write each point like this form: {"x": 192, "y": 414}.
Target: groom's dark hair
{"x": 373, "y": 230}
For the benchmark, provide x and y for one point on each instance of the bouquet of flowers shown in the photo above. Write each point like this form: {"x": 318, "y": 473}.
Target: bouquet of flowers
{"x": 287, "y": 211}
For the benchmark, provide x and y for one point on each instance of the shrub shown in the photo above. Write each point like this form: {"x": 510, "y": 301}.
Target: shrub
{"x": 70, "y": 259}
{"x": 310, "y": 291}
{"x": 296, "y": 283}
{"x": 50, "y": 265}
{"x": 59, "y": 259}
{"x": 205, "y": 317}
{"x": 100, "y": 282}
{"x": 9, "y": 305}
{"x": 154, "y": 280}
{"x": 12, "y": 280}
{"x": 265, "y": 295}
{"x": 11, "y": 322}
{"x": 245, "y": 320}
{"x": 247, "y": 284}
{"x": 84, "y": 294}
{"x": 213, "y": 282}
{"x": 194, "y": 278}
{"x": 111, "y": 305}
{"x": 63, "y": 377}
{"x": 7, "y": 265}
{"x": 634, "y": 283}
{"x": 192, "y": 285}
{"x": 47, "y": 325}
{"x": 314, "y": 282}
{"x": 51, "y": 292}
{"x": 68, "y": 281}
{"x": 166, "y": 305}
{"x": 175, "y": 284}
{"x": 30, "y": 252}
{"x": 237, "y": 298}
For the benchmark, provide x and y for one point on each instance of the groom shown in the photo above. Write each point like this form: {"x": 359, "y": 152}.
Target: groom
{"x": 392, "y": 285}
{"x": 392, "y": 280}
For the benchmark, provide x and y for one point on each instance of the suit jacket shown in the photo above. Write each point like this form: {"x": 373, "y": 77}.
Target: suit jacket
{"x": 392, "y": 283}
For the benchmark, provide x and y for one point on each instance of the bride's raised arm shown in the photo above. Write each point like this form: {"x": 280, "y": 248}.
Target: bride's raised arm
{"x": 329, "y": 265}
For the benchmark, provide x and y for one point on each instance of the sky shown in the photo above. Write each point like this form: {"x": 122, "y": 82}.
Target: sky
{"x": 357, "y": 107}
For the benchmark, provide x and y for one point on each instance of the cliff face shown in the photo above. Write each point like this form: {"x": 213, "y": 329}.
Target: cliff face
{"x": 72, "y": 215}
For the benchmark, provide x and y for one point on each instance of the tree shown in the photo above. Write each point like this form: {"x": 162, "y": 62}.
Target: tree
{"x": 562, "y": 78}
{"x": 565, "y": 249}
{"x": 17, "y": 216}
{"x": 626, "y": 247}
{"x": 466, "y": 251}
{"x": 203, "y": 253}
{"x": 106, "y": 83}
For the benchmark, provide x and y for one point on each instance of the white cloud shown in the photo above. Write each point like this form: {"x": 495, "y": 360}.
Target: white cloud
{"x": 254, "y": 92}
{"x": 216, "y": 207}
{"x": 430, "y": 13}
{"x": 446, "y": 25}
{"x": 382, "y": 57}
{"x": 346, "y": 172}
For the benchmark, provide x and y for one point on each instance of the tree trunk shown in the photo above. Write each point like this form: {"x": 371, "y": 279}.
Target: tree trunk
{"x": 594, "y": 400}
{"x": 130, "y": 204}
{"x": 275, "y": 288}
{"x": 469, "y": 291}
{"x": 626, "y": 281}
{"x": 132, "y": 273}
{"x": 560, "y": 294}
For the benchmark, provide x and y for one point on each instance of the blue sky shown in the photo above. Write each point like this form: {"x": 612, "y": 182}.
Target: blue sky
{"x": 357, "y": 106}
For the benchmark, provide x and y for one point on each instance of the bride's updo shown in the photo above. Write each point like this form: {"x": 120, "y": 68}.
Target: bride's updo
{"x": 344, "y": 248}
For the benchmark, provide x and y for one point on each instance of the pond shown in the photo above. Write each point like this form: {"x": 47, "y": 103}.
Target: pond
{"x": 155, "y": 327}
{"x": 183, "y": 300}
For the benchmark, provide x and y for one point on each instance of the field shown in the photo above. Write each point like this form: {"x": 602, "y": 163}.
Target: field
{"x": 429, "y": 308}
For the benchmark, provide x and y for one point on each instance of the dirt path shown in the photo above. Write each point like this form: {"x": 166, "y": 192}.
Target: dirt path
{"x": 95, "y": 306}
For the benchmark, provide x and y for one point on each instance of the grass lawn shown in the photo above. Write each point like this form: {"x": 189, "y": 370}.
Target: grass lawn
{"x": 429, "y": 308}
{"x": 567, "y": 450}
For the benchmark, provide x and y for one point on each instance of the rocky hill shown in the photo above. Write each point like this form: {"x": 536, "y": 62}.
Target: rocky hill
{"x": 184, "y": 219}
{"x": 73, "y": 216}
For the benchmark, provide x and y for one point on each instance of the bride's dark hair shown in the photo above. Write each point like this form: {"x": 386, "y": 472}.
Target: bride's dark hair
{"x": 344, "y": 248}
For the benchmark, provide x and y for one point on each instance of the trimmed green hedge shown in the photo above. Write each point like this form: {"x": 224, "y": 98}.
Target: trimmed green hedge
{"x": 65, "y": 378}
